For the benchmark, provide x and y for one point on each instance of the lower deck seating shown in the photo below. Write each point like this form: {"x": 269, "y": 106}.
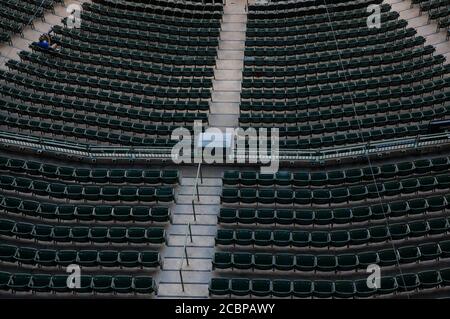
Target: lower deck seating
{"x": 326, "y": 288}
{"x": 44, "y": 283}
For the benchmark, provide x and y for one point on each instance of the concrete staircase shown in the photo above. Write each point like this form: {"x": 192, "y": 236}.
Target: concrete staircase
{"x": 224, "y": 112}
{"x": 226, "y": 92}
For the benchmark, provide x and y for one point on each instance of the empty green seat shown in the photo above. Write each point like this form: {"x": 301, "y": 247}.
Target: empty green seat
{"x": 281, "y": 288}
{"x": 347, "y": 261}
{"x": 388, "y": 285}
{"x": 108, "y": 258}
{"x": 323, "y": 288}
{"x": 429, "y": 279}
{"x": 85, "y": 284}
{"x": 136, "y": 235}
{"x": 87, "y": 258}
{"x": 224, "y": 237}
{"x": 102, "y": 283}
{"x": 230, "y": 178}
{"x": 41, "y": 282}
{"x": 307, "y": 262}
{"x": 227, "y": 215}
{"x": 219, "y": 287}
{"x": 284, "y": 261}
{"x": 240, "y": 286}
{"x": 407, "y": 282}
{"x": 284, "y": 216}
{"x": 429, "y": 251}
{"x": 261, "y": 287}
{"x": 320, "y": 238}
{"x": 222, "y": 260}
{"x": 247, "y": 215}
{"x": 363, "y": 290}
{"x": 122, "y": 284}
{"x": 20, "y": 282}
{"x": 8, "y": 252}
{"x": 144, "y": 285}
{"x": 438, "y": 225}
{"x": 66, "y": 257}
{"x": 59, "y": 283}
{"x": 408, "y": 254}
{"x": 46, "y": 257}
{"x": 326, "y": 262}
{"x": 302, "y": 288}
{"x": 344, "y": 288}
{"x": 263, "y": 261}
{"x": 242, "y": 260}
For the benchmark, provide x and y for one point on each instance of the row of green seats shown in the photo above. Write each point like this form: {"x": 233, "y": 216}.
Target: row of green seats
{"x": 86, "y": 258}
{"x": 325, "y": 288}
{"x": 82, "y": 234}
{"x": 83, "y": 212}
{"x": 88, "y": 284}
{"x": 335, "y": 238}
{"x": 330, "y": 216}
{"x": 329, "y": 262}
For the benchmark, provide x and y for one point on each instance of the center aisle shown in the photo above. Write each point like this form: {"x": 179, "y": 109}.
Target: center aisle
{"x": 224, "y": 112}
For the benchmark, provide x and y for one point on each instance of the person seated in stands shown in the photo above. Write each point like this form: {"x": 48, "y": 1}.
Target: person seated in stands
{"x": 45, "y": 42}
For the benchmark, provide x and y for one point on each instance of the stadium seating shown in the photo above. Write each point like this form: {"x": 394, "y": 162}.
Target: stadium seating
{"x": 437, "y": 10}
{"x": 336, "y": 82}
{"x": 326, "y": 288}
{"x": 161, "y": 75}
{"x": 89, "y": 284}
{"x": 15, "y": 15}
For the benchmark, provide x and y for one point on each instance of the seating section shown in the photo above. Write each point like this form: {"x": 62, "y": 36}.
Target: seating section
{"x": 15, "y": 15}
{"x": 314, "y": 232}
{"x": 110, "y": 219}
{"x": 324, "y": 78}
{"x": 131, "y": 74}
{"x": 438, "y": 10}
{"x": 327, "y": 288}
{"x": 43, "y": 283}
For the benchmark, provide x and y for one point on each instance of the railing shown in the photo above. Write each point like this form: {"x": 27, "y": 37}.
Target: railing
{"x": 185, "y": 255}
{"x": 164, "y": 153}
{"x": 195, "y": 192}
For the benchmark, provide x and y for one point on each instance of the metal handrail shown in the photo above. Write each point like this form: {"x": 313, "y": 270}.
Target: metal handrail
{"x": 195, "y": 192}
{"x": 185, "y": 255}
{"x": 115, "y": 152}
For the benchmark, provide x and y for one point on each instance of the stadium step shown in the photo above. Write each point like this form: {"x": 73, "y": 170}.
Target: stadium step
{"x": 226, "y": 94}
{"x": 197, "y": 274}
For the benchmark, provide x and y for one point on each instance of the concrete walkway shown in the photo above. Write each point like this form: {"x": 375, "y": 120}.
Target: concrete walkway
{"x": 224, "y": 112}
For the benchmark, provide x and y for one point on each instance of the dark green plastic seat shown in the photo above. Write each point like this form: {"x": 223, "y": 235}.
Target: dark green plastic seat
{"x": 144, "y": 285}
{"x": 240, "y": 286}
{"x": 261, "y": 287}
{"x": 41, "y": 282}
{"x": 219, "y": 287}
{"x": 407, "y": 282}
{"x": 122, "y": 284}
{"x": 102, "y": 283}
{"x": 222, "y": 260}
{"x": 302, "y": 288}
{"x": 242, "y": 260}
{"x": 344, "y": 289}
